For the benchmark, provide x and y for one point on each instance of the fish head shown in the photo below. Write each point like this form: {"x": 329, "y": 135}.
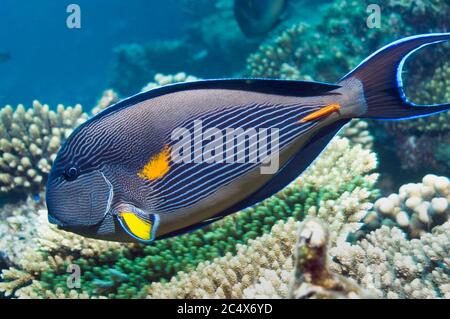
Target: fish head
{"x": 80, "y": 200}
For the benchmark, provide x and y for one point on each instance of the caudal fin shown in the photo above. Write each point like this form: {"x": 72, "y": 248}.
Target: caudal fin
{"x": 381, "y": 78}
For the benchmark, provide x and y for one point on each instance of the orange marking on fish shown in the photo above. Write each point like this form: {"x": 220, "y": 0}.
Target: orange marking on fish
{"x": 322, "y": 112}
{"x": 157, "y": 166}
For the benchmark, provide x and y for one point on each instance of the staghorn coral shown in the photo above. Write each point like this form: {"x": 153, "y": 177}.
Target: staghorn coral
{"x": 229, "y": 276}
{"x": 349, "y": 183}
{"x": 280, "y": 57}
{"x": 418, "y": 208}
{"x": 29, "y": 140}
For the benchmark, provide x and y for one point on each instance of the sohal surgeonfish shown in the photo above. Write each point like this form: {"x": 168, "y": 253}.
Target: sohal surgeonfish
{"x": 119, "y": 175}
{"x": 257, "y": 17}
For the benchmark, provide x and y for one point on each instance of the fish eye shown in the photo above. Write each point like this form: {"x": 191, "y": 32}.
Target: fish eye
{"x": 70, "y": 173}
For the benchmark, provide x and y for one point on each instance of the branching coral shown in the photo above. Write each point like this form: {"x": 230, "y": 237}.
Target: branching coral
{"x": 29, "y": 140}
{"x": 229, "y": 276}
{"x": 109, "y": 97}
{"x": 39, "y": 247}
{"x": 357, "y": 131}
{"x": 263, "y": 269}
{"x": 162, "y": 79}
{"x": 391, "y": 266}
{"x": 341, "y": 39}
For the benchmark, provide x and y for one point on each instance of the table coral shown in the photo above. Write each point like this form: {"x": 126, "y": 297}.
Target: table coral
{"x": 29, "y": 141}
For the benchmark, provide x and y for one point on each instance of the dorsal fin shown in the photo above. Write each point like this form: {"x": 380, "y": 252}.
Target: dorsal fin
{"x": 270, "y": 86}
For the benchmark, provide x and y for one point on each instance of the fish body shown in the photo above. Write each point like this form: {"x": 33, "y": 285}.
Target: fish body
{"x": 176, "y": 158}
{"x": 257, "y": 17}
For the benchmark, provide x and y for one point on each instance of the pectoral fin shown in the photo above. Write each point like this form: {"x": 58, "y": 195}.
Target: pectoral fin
{"x": 139, "y": 225}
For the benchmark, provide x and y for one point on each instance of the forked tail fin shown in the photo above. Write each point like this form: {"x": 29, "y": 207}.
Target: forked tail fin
{"x": 380, "y": 75}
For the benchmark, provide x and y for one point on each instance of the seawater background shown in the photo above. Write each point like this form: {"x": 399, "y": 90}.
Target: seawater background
{"x": 55, "y": 64}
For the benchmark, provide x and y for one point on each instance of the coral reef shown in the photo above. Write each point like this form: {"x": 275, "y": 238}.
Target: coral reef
{"x": 417, "y": 208}
{"x": 389, "y": 265}
{"x": 413, "y": 136}
{"x": 341, "y": 39}
{"x": 324, "y": 236}
{"x": 338, "y": 184}
{"x": 230, "y": 276}
{"x": 109, "y": 97}
{"x": 164, "y": 79}
{"x": 39, "y": 247}
{"x": 212, "y": 38}
{"x": 312, "y": 278}
{"x": 264, "y": 269}
{"x": 357, "y": 131}
{"x": 29, "y": 140}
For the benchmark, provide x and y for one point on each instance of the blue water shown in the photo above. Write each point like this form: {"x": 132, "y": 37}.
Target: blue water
{"x": 55, "y": 64}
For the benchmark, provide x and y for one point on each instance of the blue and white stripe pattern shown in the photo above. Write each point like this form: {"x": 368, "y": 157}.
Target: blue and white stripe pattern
{"x": 187, "y": 183}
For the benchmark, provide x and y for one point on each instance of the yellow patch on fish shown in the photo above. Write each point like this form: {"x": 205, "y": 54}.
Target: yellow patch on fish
{"x": 137, "y": 226}
{"x": 322, "y": 112}
{"x": 157, "y": 166}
